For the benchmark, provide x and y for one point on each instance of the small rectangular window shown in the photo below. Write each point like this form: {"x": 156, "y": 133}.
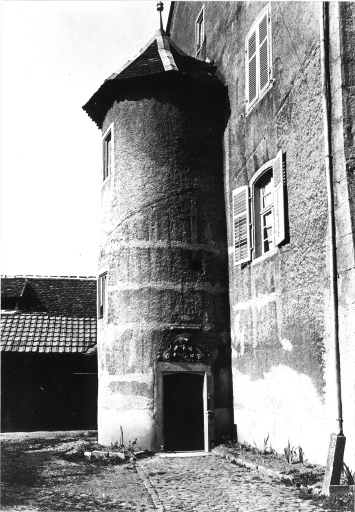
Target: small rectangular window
{"x": 107, "y": 156}
{"x": 102, "y": 292}
{"x": 200, "y": 31}
{"x": 258, "y": 58}
{"x": 107, "y": 153}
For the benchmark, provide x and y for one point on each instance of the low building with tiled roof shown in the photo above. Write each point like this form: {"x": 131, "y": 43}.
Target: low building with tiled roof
{"x": 48, "y": 344}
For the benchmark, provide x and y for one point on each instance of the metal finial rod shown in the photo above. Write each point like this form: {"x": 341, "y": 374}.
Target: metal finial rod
{"x": 160, "y": 8}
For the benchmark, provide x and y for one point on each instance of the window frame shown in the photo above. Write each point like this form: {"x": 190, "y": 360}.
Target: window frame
{"x": 102, "y": 294}
{"x": 260, "y": 91}
{"x": 254, "y": 212}
{"x": 200, "y": 29}
{"x": 261, "y": 212}
{"x": 107, "y": 168}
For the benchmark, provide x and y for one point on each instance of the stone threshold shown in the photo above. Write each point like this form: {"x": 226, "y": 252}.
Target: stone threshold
{"x": 198, "y": 453}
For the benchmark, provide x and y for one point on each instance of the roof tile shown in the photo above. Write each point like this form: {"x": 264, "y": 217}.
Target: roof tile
{"x": 59, "y": 297}
{"x": 41, "y": 339}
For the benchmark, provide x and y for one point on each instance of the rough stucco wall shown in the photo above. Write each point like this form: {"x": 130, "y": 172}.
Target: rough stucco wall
{"x": 347, "y": 44}
{"x": 162, "y": 209}
{"x": 282, "y": 361}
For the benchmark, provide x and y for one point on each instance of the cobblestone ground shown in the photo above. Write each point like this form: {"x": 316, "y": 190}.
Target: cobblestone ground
{"x": 37, "y": 478}
{"x": 211, "y": 483}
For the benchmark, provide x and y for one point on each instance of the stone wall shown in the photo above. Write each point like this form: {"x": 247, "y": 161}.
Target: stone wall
{"x": 283, "y": 364}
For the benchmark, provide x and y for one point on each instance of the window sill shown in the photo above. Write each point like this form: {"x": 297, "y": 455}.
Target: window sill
{"x": 264, "y": 257}
{"x": 107, "y": 180}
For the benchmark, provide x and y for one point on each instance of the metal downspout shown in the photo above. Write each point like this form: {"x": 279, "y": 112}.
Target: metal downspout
{"x": 326, "y": 96}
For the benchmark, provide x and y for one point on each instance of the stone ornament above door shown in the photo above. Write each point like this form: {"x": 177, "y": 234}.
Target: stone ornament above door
{"x": 182, "y": 350}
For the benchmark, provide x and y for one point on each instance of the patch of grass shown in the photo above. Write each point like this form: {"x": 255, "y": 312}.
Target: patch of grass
{"x": 331, "y": 503}
{"x": 290, "y": 452}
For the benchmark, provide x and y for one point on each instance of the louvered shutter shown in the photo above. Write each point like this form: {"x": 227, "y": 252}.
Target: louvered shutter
{"x": 279, "y": 199}
{"x": 264, "y": 77}
{"x": 241, "y": 225}
{"x": 252, "y": 69}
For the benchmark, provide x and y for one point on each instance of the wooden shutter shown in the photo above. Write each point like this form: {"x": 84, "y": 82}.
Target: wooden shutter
{"x": 252, "y": 69}
{"x": 263, "y": 40}
{"x": 279, "y": 199}
{"x": 241, "y": 225}
{"x": 199, "y": 30}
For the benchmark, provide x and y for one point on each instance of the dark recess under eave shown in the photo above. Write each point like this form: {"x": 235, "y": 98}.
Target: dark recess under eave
{"x": 116, "y": 90}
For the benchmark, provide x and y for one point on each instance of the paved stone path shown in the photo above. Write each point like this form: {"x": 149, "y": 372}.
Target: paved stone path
{"x": 214, "y": 484}
{"x": 36, "y": 478}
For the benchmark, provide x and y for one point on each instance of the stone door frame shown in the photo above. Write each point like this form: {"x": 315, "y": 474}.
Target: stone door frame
{"x": 166, "y": 368}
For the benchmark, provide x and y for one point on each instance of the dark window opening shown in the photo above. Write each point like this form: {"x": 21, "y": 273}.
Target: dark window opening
{"x": 102, "y": 291}
{"x": 107, "y": 156}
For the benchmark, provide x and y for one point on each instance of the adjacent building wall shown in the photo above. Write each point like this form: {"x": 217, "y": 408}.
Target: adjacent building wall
{"x": 42, "y": 391}
{"x": 283, "y": 364}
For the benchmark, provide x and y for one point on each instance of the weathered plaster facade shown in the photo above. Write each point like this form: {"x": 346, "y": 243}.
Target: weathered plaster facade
{"x": 182, "y": 143}
{"x": 283, "y": 362}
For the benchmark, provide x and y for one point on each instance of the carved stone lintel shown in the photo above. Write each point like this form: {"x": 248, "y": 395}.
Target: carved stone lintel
{"x": 183, "y": 350}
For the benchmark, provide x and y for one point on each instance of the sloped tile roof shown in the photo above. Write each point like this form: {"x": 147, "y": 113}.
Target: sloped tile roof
{"x": 158, "y": 57}
{"x": 52, "y": 314}
{"x": 32, "y": 332}
{"x": 62, "y": 296}
{"x": 12, "y": 287}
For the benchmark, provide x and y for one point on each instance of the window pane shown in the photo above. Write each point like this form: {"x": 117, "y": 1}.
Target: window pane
{"x": 266, "y": 194}
{"x": 267, "y": 231}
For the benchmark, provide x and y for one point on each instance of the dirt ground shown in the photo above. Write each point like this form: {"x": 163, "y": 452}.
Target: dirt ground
{"x": 35, "y": 477}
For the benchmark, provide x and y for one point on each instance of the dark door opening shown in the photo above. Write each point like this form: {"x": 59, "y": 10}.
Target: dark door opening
{"x": 183, "y": 412}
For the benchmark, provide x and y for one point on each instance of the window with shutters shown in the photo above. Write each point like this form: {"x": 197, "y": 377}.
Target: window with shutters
{"x": 263, "y": 209}
{"x": 200, "y": 30}
{"x": 259, "y": 213}
{"x": 107, "y": 149}
{"x": 102, "y": 294}
{"x": 258, "y": 58}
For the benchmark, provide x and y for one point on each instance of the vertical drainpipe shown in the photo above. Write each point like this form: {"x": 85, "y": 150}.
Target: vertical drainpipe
{"x": 324, "y": 32}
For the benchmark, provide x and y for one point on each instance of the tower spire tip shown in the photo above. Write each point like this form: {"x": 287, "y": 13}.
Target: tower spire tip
{"x": 160, "y": 8}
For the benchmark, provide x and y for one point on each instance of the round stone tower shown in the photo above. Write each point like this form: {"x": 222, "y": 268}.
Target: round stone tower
{"x": 163, "y": 327}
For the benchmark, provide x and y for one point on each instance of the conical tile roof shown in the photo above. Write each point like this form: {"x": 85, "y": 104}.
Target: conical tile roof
{"x": 158, "y": 57}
